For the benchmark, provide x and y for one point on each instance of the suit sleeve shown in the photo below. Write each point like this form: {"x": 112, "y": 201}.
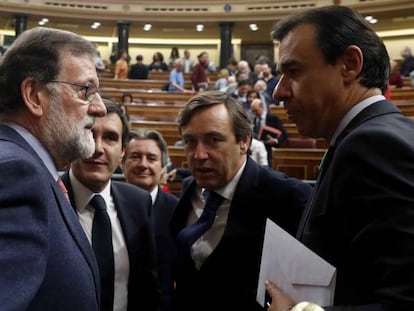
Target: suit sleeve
{"x": 23, "y": 233}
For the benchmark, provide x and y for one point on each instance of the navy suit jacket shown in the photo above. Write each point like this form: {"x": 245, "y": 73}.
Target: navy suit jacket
{"x": 229, "y": 277}
{"x": 133, "y": 207}
{"x": 163, "y": 209}
{"x": 361, "y": 215}
{"x": 46, "y": 261}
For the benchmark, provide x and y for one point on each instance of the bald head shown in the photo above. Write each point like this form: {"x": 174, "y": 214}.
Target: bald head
{"x": 256, "y": 107}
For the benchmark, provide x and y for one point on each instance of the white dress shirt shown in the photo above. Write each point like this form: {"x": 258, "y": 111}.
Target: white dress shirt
{"x": 82, "y": 196}
{"x": 205, "y": 245}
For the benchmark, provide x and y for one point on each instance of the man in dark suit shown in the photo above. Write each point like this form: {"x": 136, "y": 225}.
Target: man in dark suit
{"x": 138, "y": 70}
{"x": 274, "y": 135}
{"x": 361, "y": 214}
{"x": 220, "y": 270}
{"x": 135, "y": 284}
{"x": 144, "y": 165}
{"x": 48, "y": 104}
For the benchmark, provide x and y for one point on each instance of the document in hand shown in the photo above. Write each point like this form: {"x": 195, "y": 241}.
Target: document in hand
{"x": 299, "y": 272}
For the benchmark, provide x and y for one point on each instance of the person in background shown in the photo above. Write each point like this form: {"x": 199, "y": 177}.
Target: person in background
{"x": 199, "y": 77}
{"x": 219, "y": 269}
{"x": 49, "y": 102}
{"x": 176, "y": 80}
{"x": 407, "y": 64}
{"x": 174, "y": 55}
{"x": 99, "y": 63}
{"x": 258, "y": 152}
{"x": 144, "y": 165}
{"x": 158, "y": 63}
{"x": 221, "y": 81}
{"x": 188, "y": 62}
{"x": 271, "y": 139}
{"x": 121, "y": 66}
{"x": 361, "y": 213}
{"x": 138, "y": 70}
{"x": 130, "y": 283}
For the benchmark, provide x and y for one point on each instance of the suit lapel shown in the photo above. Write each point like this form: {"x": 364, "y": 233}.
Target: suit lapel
{"x": 372, "y": 111}
{"x": 71, "y": 218}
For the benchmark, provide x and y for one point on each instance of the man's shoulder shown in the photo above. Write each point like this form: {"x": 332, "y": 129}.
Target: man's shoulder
{"x": 129, "y": 189}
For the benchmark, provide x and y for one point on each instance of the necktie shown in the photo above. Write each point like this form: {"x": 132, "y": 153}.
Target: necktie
{"x": 327, "y": 157}
{"x": 256, "y": 127}
{"x": 102, "y": 246}
{"x": 63, "y": 188}
{"x": 191, "y": 233}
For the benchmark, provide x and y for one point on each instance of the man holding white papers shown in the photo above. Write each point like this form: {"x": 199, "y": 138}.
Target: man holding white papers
{"x": 360, "y": 218}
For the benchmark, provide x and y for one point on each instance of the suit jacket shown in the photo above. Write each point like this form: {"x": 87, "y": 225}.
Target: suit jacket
{"x": 273, "y": 121}
{"x": 163, "y": 209}
{"x": 361, "y": 215}
{"x": 228, "y": 279}
{"x": 46, "y": 261}
{"x": 133, "y": 207}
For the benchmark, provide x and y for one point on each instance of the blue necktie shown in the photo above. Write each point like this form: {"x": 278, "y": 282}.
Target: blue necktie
{"x": 104, "y": 253}
{"x": 187, "y": 236}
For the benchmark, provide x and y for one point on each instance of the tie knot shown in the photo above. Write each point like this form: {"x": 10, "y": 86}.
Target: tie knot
{"x": 98, "y": 203}
{"x": 212, "y": 200}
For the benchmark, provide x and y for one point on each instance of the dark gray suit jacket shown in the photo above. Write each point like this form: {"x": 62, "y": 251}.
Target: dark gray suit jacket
{"x": 361, "y": 216}
{"x": 46, "y": 261}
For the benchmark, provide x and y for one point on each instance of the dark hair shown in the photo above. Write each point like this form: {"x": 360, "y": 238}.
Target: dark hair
{"x": 139, "y": 57}
{"x": 242, "y": 124}
{"x": 336, "y": 28}
{"x": 36, "y": 53}
{"x": 127, "y": 94}
{"x": 155, "y": 136}
{"x": 113, "y": 107}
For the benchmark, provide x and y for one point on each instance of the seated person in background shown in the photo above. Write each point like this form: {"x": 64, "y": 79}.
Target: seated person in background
{"x": 240, "y": 94}
{"x": 138, "y": 70}
{"x": 221, "y": 81}
{"x": 144, "y": 165}
{"x": 176, "y": 80}
{"x": 158, "y": 63}
{"x": 258, "y": 152}
{"x": 272, "y": 137}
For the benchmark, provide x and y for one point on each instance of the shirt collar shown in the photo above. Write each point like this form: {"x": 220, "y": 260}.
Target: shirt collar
{"x": 355, "y": 110}
{"x": 227, "y": 191}
{"x": 82, "y": 194}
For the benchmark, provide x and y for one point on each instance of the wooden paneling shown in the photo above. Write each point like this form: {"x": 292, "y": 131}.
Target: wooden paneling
{"x": 300, "y": 163}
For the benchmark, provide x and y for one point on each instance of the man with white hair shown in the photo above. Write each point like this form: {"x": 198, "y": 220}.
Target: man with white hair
{"x": 244, "y": 67}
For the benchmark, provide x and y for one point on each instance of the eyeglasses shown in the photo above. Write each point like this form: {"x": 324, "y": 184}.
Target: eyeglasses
{"x": 90, "y": 89}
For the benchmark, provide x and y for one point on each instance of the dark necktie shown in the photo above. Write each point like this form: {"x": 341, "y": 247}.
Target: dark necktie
{"x": 187, "y": 236}
{"x": 256, "y": 127}
{"x": 326, "y": 160}
{"x": 102, "y": 245}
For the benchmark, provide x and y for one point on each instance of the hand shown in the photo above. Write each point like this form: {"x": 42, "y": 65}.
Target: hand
{"x": 280, "y": 301}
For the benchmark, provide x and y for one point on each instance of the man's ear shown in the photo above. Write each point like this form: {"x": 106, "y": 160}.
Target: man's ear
{"x": 31, "y": 90}
{"x": 352, "y": 62}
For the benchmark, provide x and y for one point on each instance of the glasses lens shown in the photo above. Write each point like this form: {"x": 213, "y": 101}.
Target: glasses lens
{"x": 91, "y": 90}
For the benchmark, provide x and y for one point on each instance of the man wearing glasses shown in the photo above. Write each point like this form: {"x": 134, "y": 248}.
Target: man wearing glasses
{"x": 48, "y": 103}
